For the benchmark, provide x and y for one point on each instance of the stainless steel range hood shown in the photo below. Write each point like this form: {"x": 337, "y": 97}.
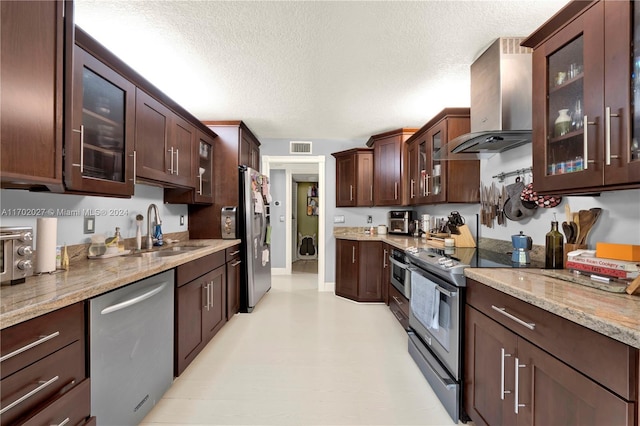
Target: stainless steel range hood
{"x": 500, "y": 103}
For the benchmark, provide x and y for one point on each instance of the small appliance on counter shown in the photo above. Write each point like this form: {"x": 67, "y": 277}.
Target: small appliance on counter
{"x": 522, "y": 245}
{"x": 228, "y": 223}
{"x": 16, "y": 253}
{"x": 400, "y": 221}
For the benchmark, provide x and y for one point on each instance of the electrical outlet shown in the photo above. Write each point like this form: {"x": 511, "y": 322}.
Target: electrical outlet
{"x": 181, "y": 220}
{"x": 89, "y": 224}
{"x": 369, "y": 219}
{"x": 338, "y": 219}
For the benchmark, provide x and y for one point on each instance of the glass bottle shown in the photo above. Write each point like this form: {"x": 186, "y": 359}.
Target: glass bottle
{"x": 554, "y": 253}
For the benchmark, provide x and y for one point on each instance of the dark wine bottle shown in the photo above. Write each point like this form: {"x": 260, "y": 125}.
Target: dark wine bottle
{"x": 554, "y": 253}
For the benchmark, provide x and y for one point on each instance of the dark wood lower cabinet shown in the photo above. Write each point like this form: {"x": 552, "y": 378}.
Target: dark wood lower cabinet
{"x": 359, "y": 270}
{"x": 511, "y": 381}
{"x": 233, "y": 280}
{"x": 200, "y": 308}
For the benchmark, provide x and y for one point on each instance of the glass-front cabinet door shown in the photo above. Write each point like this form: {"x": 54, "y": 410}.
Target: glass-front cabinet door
{"x": 583, "y": 137}
{"x": 99, "y": 154}
{"x": 436, "y": 177}
{"x": 204, "y": 183}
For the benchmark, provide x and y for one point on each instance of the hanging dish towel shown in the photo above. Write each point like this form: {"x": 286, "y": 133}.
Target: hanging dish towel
{"x": 425, "y": 301}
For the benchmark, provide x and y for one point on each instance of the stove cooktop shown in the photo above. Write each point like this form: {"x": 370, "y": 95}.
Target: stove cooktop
{"x": 449, "y": 262}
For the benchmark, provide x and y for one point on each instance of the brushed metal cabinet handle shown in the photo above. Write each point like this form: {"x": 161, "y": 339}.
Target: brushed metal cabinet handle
{"x": 135, "y": 165}
{"x": 40, "y": 341}
{"x": 503, "y": 311}
{"x": 177, "y": 161}
{"x": 503, "y": 355}
{"x": 236, "y": 263}
{"x": 353, "y": 254}
{"x": 170, "y": 151}
{"x": 28, "y": 395}
{"x": 64, "y": 422}
{"x": 585, "y": 147}
{"x": 81, "y": 131}
{"x": 516, "y": 403}
{"x": 607, "y": 136}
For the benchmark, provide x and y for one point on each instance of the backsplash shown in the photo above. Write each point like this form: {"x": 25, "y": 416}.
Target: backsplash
{"x": 20, "y": 207}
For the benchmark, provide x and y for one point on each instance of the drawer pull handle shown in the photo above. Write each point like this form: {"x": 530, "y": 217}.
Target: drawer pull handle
{"x": 134, "y": 300}
{"x": 30, "y": 345}
{"x": 64, "y": 422}
{"x": 397, "y": 315}
{"x": 236, "y": 263}
{"x": 398, "y": 301}
{"x": 503, "y": 355}
{"x": 503, "y": 311}
{"x": 29, "y": 395}
{"x": 233, "y": 253}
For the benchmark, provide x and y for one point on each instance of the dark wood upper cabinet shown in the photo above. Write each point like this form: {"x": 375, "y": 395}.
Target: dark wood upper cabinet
{"x": 164, "y": 143}
{"x": 390, "y": 169}
{"x": 100, "y": 133}
{"x": 354, "y": 177}
{"x": 585, "y": 80}
{"x": 432, "y": 181}
{"x": 32, "y": 39}
{"x": 232, "y": 147}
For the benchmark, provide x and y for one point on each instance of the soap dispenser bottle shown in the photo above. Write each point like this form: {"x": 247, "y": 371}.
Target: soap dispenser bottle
{"x": 554, "y": 253}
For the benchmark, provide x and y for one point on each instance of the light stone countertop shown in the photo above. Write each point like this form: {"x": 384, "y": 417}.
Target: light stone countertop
{"x": 616, "y": 315}
{"x": 89, "y": 278}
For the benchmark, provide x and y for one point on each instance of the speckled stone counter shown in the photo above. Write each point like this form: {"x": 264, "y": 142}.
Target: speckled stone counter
{"x": 399, "y": 241}
{"x": 88, "y": 278}
{"x": 612, "y": 314}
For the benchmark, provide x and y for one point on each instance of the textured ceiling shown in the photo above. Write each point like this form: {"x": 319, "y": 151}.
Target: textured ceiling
{"x": 307, "y": 70}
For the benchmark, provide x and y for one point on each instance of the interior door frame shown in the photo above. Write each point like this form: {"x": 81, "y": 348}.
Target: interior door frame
{"x": 291, "y": 165}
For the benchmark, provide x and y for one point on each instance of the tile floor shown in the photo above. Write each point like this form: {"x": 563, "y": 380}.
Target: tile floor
{"x": 305, "y": 266}
{"x": 303, "y": 358}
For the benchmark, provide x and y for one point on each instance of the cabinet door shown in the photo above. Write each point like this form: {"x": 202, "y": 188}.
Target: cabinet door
{"x": 364, "y": 179}
{"x": 489, "y": 370}
{"x": 550, "y": 392}
{"x": 386, "y": 272}
{"x": 32, "y": 74}
{"x": 255, "y": 156}
{"x": 183, "y": 139}
{"x": 345, "y": 181}
{"x": 190, "y": 302}
{"x": 435, "y": 169}
{"x": 388, "y": 172}
{"x": 214, "y": 313}
{"x": 414, "y": 173}
{"x": 152, "y": 137}
{"x": 249, "y": 151}
{"x": 370, "y": 274}
{"x": 204, "y": 156}
{"x": 347, "y": 268}
{"x": 99, "y": 148}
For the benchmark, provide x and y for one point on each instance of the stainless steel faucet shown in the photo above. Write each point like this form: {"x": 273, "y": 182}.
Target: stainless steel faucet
{"x": 158, "y": 222}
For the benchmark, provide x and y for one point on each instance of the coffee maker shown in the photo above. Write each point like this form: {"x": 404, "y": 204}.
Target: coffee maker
{"x": 522, "y": 245}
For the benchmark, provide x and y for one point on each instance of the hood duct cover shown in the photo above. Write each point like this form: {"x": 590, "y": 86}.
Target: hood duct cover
{"x": 500, "y": 102}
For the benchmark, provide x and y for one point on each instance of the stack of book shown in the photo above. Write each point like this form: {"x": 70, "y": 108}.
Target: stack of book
{"x": 585, "y": 261}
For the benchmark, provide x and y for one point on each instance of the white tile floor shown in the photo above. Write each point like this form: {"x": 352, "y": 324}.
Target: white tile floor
{"x": 303, "y": 358}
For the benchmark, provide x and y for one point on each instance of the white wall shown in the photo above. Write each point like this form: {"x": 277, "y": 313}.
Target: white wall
{"x": 20, "y": 207}
{"x": 277, "y": 183}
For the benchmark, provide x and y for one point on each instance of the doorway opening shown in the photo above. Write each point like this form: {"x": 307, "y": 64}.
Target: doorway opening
{"x": 305, "y": 204}
{"x": 298, "y": 170}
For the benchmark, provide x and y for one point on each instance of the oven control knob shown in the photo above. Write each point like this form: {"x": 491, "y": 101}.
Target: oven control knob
{"x": 24, "y": 264}
{"x": 27, "y": 236}
{"x": 448, "y": 263}
{"x": 24, "y": 250}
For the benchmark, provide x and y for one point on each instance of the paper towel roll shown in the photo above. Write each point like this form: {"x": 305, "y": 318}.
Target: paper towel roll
{"x": 46, "y": 234}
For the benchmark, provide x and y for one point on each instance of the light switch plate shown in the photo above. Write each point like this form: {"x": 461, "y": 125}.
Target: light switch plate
{"x": 89, "y": 224}
{"x": 338, "y": 219}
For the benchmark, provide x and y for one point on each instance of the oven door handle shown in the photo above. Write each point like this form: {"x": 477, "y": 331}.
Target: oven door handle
{"x": 398, "y": 264}
{"x": 439, "y": 288}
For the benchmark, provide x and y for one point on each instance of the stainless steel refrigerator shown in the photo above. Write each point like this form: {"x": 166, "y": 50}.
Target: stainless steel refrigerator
{"x": 255, "y": 232}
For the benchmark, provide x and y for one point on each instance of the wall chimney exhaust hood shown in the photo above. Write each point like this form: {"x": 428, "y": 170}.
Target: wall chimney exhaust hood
{"x": 500, "y": 103}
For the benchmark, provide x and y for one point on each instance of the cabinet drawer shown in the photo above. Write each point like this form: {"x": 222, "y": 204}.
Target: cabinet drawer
{"x": 27, "y": 342}
{"x": 605, "y": 360}
{"x": 399, "y": 299}
{"x": 51, "y": 376}
{"x": 71, "y": 408}
{"x": 232, "y": 252}
{"x": 197, "y": 268}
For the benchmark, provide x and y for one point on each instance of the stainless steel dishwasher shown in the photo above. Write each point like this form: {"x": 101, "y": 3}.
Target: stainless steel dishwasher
{"x": 131, "y": 349}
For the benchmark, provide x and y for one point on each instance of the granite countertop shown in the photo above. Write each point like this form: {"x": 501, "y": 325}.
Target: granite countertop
{"x": 616, "y": 315}
{"x": 399, "y": 241}
{"x": 88, "y": 278}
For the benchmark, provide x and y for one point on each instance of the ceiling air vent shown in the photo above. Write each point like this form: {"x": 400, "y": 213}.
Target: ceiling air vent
{"x": 299, "y": 147}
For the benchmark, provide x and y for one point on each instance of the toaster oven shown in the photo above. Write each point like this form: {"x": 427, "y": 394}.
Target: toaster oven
{"x": 399, "y": 221}
{"x": 16, "y": 253}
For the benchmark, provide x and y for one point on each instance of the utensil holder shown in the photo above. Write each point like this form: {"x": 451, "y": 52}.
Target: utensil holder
{"x": 571, "y": 247}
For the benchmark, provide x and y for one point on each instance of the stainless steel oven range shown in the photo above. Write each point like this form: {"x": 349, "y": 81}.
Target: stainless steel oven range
{"x": 436, "y": 322}
{"x": 400, "y": 274}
